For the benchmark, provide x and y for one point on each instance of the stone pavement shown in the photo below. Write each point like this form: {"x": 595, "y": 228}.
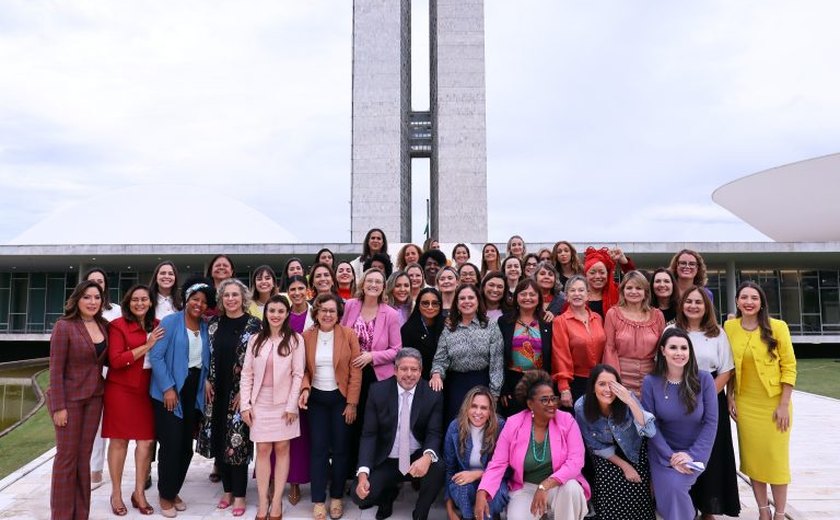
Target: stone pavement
{"x": 814, "y": 492}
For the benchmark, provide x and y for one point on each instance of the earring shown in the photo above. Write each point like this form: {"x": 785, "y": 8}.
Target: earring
{"x": 532, "y": 414}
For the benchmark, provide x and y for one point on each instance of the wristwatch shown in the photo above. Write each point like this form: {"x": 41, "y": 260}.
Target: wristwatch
{"x": 541, "y": 487}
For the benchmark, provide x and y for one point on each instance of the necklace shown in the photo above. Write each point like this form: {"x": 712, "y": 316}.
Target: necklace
{"x": 541, "y": 458}
{"x": 668, "y": 383}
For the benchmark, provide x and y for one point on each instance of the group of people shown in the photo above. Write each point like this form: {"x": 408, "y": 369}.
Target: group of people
{"x": 534, "y": 383}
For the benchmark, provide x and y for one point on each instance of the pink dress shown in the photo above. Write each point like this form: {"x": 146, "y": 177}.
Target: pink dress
{"x": 631, "y": 345}
{"x": 269, "y": 424}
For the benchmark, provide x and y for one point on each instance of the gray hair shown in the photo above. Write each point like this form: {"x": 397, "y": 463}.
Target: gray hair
{"x": 575, "y": 278}
{"x": 548, "y": 266}
{"x": 408, "y": 352}
{"x": 246, "y": 298}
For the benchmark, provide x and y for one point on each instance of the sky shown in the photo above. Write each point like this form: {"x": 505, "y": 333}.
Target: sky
{"x": 606, "y": 122}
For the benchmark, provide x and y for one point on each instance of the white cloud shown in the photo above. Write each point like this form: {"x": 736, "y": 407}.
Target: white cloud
{"x": 604, "y": 120}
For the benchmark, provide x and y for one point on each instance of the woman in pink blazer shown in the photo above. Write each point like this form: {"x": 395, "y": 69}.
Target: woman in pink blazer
{"x": 272, "y": 373}
{"x": 377, "y": 325}
{"x": 544, "y": 449}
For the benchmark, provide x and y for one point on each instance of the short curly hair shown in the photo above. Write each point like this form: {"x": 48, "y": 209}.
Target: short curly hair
{"x": 526, "y": 388}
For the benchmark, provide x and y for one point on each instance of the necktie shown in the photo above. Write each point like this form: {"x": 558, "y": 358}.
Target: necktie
{"x": 403, "y": 435}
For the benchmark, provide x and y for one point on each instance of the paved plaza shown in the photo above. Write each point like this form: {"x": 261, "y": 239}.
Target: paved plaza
{"x": 813, "y": 494}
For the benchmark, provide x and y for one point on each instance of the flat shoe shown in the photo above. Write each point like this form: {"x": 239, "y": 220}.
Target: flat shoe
{"x": 223, "y": 504}
{"x": 238, "y": 511}
{"x": 214, "y": 477}
{"x": 168, "y": 513}
{"x": 180, "y": 505}
{"x": 319, "y": 511}
{"x": 336, "y": 508}
{"x": 294, "y": 494}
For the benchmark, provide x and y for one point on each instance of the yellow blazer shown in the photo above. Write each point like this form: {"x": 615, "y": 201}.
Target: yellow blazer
{"x": 773, "y": 371}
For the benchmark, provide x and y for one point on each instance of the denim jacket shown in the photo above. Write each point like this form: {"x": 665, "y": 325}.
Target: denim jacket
{"x": 602, "y": 435}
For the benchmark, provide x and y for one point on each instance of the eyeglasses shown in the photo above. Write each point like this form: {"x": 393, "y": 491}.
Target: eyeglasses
{"x": 328, "y": 311}
{"x": 373, "y": 282}
{"x": 546, "y": 399}
{"x": 426, "y": 303}
{"x": 687, "y": 264}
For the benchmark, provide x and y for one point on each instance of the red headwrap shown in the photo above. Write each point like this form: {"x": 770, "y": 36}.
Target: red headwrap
{"x": 609, "y": 294}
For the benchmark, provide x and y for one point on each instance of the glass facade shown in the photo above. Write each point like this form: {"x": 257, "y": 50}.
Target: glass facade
{"x": 808, "y": 300}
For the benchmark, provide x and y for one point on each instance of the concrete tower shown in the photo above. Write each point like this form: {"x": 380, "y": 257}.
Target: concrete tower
{"x": 387, "y": 134}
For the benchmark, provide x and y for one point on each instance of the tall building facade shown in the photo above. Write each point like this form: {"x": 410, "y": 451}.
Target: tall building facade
{"x": 387, "y": 134}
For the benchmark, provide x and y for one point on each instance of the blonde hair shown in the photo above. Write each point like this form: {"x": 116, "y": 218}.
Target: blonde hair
{"x": 639, "y": 278}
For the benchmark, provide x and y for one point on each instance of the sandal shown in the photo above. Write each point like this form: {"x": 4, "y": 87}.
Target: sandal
{"x": 319, "y": 511}
{"x": 781, "y": 515}
{"x": 336, "y": 508}
{"x": 223, "y": 504}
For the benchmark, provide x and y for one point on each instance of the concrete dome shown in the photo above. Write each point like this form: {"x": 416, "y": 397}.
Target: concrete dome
{"x": 145, "y": 215}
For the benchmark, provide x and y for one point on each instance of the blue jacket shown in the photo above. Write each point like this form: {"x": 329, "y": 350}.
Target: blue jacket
{"x": 453, "y": 458}
{"x": 602, "y": 435}
{"x": 170, "y": 360}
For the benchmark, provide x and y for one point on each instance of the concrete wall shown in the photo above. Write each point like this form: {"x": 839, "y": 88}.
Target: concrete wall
{"x": 381, "y": 187}
{"x": 459, "y": 160}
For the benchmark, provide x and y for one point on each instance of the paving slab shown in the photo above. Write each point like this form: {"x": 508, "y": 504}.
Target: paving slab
{"x": 813, "y": 494}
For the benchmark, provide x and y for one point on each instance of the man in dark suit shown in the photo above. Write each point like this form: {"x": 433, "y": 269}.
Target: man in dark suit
{"x": 391, "y": 450}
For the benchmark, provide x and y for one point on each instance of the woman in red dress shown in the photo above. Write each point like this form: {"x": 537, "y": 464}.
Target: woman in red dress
{"x": 128, "y": 411}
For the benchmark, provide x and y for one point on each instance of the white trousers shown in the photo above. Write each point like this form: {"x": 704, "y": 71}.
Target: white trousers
{"x": 97, "y": 456}
{"x": 565, "y": 502}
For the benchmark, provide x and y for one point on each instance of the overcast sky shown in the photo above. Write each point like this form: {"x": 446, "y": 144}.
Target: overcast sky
{"x": 606, "y": 121}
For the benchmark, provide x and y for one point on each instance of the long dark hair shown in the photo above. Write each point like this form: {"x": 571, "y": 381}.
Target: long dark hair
{"x": 455, "y": 313}
{"x": 690, "y": 385}
{"x": 149, "y": 319}
{"x": 106, "y": 294}
{"x": 287, "y": 335}
{"x": 512, "y": 317}
{"x": 708, "y": 323}
{"x": 674, "y": 299}
{"x": 319, "y": 265}
{"x": 175, "y": 294}
{"x": 71, "y": 307}
{"x": 574, "y": 260}
{"x": 366, "y": 247}
{"x": 763, "y": 316}
{"x": 285, "y": 279}
{"x": 437, "y": 324}
{"x": 591, "y": 409}
{"x": 255, "y": 294}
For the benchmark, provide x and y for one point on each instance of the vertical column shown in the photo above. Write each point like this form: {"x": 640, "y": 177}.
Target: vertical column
{"x": 459, "y": 156}
{"x": 731, "y": 287}
{"x": 380, "y": 163}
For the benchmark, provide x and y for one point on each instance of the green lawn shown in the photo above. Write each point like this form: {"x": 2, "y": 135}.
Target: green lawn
{"x": 818, "y": 376}
{"x": 28, "y": 440}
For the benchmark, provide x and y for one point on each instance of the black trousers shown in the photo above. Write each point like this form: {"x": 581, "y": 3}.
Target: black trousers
{"x": 234, "y": 477}
{"x": 330, "y": 436}
{"x": 175, "y": 437}
{"x": 385, "y": 477}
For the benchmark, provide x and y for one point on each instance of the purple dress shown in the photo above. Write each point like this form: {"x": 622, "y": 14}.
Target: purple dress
{"x": 692, "y": 433}
{"x": 299, "y": 447}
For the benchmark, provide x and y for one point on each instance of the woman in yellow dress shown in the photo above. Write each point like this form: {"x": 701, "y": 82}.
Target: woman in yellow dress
{"x": 765, "y": 373}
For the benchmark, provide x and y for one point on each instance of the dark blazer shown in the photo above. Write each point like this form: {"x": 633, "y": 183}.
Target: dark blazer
{"x": 75, "y": 370}
{"x": 382, "y": 414}
{"x": 424, "y": 339}
{"x": 512, "y": 377}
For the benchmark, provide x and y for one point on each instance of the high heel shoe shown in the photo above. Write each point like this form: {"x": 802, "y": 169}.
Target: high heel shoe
{"x": 278, "y": 517}
{"x": 118, "y": 510}
{"x": 294, "y": 494}
{"x": 144, "y": 510}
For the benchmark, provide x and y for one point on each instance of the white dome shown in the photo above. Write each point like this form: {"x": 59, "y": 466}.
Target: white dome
{"x": 144, "y": 215}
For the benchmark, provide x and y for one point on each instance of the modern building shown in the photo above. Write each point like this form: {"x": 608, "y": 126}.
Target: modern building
{"x": 802, "y": 280}
{"x": 388, "y": 134}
